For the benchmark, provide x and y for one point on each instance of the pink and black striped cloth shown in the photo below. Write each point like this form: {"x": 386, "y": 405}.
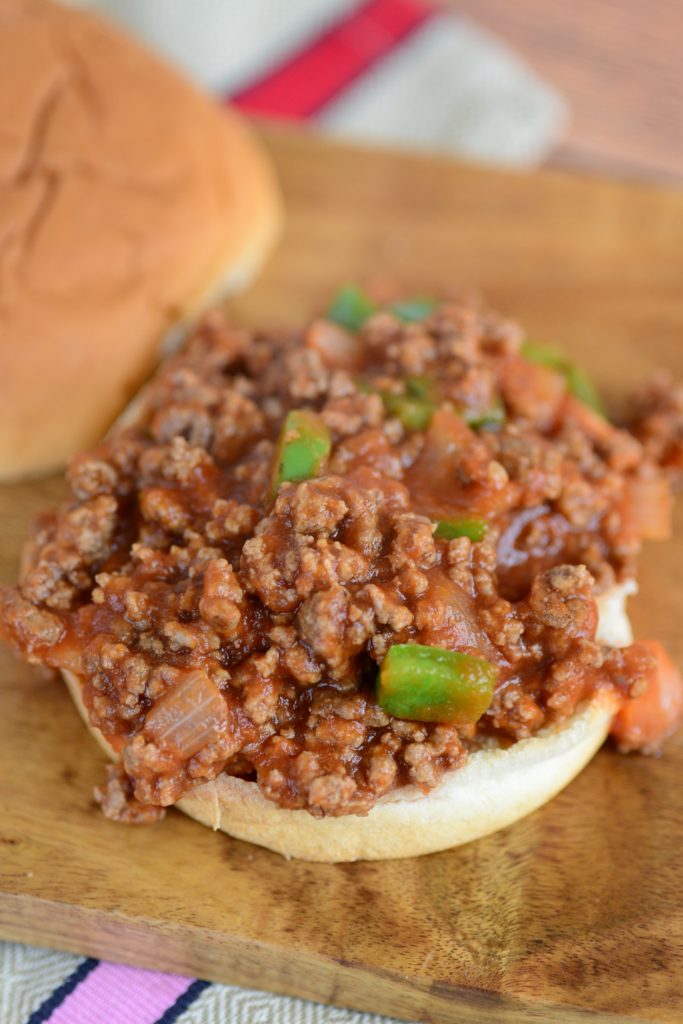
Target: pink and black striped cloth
{"x": 404, "y": 72}
{"x": 94, "y": 991}
{"x": 38, "y": 986}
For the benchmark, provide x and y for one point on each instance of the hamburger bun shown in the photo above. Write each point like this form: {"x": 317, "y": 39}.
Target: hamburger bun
{"x": 128, "y": 201}
{"x": 495, "y": 788}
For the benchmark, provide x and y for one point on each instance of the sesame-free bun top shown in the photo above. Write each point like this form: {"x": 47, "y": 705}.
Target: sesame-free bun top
{"x": 128, "y": 200}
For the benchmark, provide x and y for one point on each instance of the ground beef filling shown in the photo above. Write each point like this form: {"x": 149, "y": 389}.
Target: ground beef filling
{"x": 219, "y": 626}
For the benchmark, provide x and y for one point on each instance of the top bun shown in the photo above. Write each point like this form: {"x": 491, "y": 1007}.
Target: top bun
{"x": 128, "y": 201}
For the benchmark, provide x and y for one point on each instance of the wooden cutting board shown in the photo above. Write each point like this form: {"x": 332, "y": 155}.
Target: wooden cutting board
{"x": 575, "y": 913}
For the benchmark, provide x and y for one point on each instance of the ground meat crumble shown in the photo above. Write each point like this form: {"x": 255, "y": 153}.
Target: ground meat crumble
{"x": 219, "y": 627}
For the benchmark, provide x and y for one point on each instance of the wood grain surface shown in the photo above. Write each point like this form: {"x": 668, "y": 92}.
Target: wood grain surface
{"x": 617, "y": 63}
{"x": 575, "y": 913}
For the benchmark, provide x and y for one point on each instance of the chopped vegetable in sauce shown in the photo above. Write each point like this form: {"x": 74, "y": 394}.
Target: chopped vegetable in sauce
{"x": 483, "y": 419}
{"x": 189, "y": 717}
{"x": 351, "y": 307}
{"x": 648, "y": 506}
{"x": 415, "y": 406}
{"x": 430, "y": 684}
{"x": 448, "y": 529}
{"x": 645, "y": 720}
{"x": 413, "y": 310}
{"x": 578, "y": 383}
{"x": 338, "y": 347}
{"x": 302, "y": 449}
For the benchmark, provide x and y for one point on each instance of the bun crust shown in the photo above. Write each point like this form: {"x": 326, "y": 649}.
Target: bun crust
{"x": 494, "y": 789}
{"x": 128, "y": 201}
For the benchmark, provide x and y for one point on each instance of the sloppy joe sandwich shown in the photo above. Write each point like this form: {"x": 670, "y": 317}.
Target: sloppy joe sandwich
{"x": 128, "y": 200}
{"x": 358, "y": 591}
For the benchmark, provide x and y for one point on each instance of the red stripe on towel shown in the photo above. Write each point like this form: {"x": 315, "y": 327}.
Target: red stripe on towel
{"x": 310, "y": 79}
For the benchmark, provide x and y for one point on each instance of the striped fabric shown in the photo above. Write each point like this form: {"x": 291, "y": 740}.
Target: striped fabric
{"x": 309, "y": 80}
{"x": 362, "y": 68}
{"x": 41, "y": 987}
{"x": 406, "y": 72}
{"x": 129, "y": 996}
{"x": 28, "y": 977}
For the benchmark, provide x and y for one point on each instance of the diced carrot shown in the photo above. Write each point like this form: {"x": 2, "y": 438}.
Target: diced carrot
{"x": 649, "y": 506}
{"x": 644, "y": 722}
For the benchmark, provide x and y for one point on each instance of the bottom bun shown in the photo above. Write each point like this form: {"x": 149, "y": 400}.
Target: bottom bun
{"x": 495, "y": 788}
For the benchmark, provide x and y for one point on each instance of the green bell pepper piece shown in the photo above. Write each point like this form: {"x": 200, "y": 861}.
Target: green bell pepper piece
{"x": 430, "y": 684}
{"x": 413, "y": 414}
{"x": 447, "y": 529}
{"x": 302, "y": 449}
{"x": 351, "y": 307}
{"x": 578, "y": 383}
{"x": 483, "y": 419}
{"x": 422, "y": 388}
{"x": 583, "y": 388}
{"x": 544, "y": 355}
{"x": 413, "y": 310}
{"x": 416, "y": 405}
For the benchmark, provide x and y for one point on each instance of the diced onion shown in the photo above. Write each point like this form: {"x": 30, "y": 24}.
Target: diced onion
{"x": 455, "y": 623}
{"x": 191, "y": 716}
{"x": 533, "y": 392}
{"x": 338, "y": 347}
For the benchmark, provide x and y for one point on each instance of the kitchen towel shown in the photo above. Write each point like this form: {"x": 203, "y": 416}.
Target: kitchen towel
{"x": 400, "y": 72}
{"x": 38, "y": 986}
